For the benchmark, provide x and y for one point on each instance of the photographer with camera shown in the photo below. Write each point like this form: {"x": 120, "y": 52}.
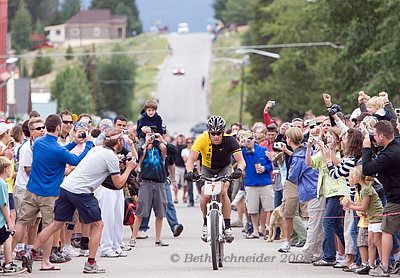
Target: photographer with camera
{"x": 258, "y": 181}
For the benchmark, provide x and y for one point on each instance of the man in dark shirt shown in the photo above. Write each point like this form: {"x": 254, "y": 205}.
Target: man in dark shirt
{"x": 386, "y": 166}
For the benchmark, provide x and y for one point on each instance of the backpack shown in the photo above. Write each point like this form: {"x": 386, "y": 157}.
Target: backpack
{"x": 130, "y": 211}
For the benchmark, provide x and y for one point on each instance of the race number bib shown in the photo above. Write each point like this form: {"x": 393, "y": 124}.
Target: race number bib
{"x": 212, "y": 187}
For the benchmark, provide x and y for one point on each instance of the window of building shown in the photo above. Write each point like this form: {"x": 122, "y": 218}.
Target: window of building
{"x": 74, "y": 31}
{"x": 96, "y": 31}
{"x": 58, "y": 32}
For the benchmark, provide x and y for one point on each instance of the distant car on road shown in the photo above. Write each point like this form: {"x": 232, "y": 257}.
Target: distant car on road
{"x": 178, "y": 70}
{"x": 183, "y": 28}
{"x": 45, "y": 44}
{"x": 198, "y": 128}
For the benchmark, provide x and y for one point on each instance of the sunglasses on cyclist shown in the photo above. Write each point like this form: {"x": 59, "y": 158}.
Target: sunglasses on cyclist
{"x": 38, "y": 128}
{"x": 216, "y": 133}
{"x": 68, "y": 122}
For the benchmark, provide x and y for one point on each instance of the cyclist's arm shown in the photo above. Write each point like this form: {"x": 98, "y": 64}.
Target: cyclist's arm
{"x": 191, "y": 160}
{"x": 240, "y": 161}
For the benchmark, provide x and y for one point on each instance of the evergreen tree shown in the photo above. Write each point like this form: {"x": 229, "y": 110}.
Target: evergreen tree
{"x": 21, "y": 27}
{"x": 42, "y": 66}
{"x": 39, "y": 27}
{"x": 219, "y": 6}
{"x": 69, "y": 50}
{"x": 115, "y": 83}
{"x": 69, "y": 8}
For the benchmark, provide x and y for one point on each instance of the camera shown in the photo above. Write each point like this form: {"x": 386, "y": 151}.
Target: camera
{"x": 272, "y": 102}
{"x": 290, "y": 125}
{"x": 125, "y": 159}
{"x": 371, "y": 138}
{"x": 325, "y": 141}
{"x": 247, "y": 141}
{"x": 334, "y": 109}
{"x": 249, "y": 151}
{"x": 125, "y": 131}
{"x": 82, "y": 135}
{"x": 277, "y": 145}
{"x": 152, "y": 136}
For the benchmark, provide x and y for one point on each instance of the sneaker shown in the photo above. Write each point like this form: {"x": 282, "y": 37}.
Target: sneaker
{"x": 66, "y": 258}
{"x": 237, "y": 224}
{"x": 204, "y": 233}
{"x": 285, "y": 247}
{"x": 324, "y": 263}
{"x": 161, "y": 243}
{"x": 340, "y": 258}
{"x": 300, "y": 244}
{"x": 190, "y": 205}
{"x": 84, "y": 253}
{"x": 69, "y": 250}
{"x": 19, "y": 255}
{"x": 110, "y": 255}
{"x": 125, "y": 247}
{"x": 121, "y": 254}
{"x": 54, "y": 259}
{"x": 27, "y": 260}
{"x": 94, "y": 268}
{"x": 246, "y": 228}
{"x": 12, "y": 269}
{"x": 141, "y": 235}
{"x": 395, "y": 268}
{"x": 198, "y": 199}
{"x": 132, "y": 243}
{"x": 228, "y": 235}
{"x": 379, "y": 272}
{"x": 364, "y": 270}
{"x": 178, "y": 230}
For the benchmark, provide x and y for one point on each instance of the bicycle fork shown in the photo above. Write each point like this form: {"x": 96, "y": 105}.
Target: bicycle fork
{"x": 210, "y": 207}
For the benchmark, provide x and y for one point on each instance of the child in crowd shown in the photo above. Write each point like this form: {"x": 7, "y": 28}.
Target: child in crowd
{"x": 376, "y": 107}
{"x": 370, "y": 204}
{"x": 6, "y": 222}
{"x": 150, "y": 118}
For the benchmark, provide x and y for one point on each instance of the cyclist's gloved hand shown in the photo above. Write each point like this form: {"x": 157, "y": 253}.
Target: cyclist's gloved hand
{"x": 236, "y": 174}
{"x": 189, "y": 176}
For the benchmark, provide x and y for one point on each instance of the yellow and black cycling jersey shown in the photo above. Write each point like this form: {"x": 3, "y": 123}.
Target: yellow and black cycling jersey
{"x": 216, "y": 156}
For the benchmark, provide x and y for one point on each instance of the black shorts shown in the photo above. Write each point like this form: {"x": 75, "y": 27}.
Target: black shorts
{"x": 4, "y": 234}
{"x": 86, "y": 204}
{"x": 11, "y": 201}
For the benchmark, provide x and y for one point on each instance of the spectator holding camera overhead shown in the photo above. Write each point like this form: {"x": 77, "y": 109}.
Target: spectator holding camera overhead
{"x": 332, "y": 190}
{"x": 266, "y": 115}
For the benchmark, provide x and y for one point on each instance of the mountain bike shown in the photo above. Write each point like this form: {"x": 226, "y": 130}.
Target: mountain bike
{"x": 215, "y": 224}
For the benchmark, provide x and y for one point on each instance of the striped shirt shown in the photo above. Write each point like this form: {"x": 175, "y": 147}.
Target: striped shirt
{"x": 342, "y": 169}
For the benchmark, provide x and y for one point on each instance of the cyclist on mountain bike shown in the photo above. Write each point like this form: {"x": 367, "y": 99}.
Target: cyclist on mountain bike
{"x": 216, "y": 149}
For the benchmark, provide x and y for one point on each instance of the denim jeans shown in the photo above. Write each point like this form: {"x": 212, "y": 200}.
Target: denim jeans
{"x": 190, "y": 192}
{"x": 332, "y": 226}
{"x": 171, "y": 212}
{"x": 278, "y": 197}
{"x": 354, "y": 233}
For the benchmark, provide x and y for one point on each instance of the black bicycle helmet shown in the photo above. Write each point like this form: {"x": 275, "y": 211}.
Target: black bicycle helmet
{"x": 216, "y": 123}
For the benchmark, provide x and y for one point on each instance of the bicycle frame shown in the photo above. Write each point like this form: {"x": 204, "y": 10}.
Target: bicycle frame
{"x": 215, "y": 205}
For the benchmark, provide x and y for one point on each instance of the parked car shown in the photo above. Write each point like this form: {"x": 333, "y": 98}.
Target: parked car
{"x": 198, "y": 128}
{"x": 45, "y": 44}
{"x": 183, "y": 28}
{"x": 178, "y": 69}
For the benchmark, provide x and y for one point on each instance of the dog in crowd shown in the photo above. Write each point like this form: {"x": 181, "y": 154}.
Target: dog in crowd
{"x": 275, "y": 222}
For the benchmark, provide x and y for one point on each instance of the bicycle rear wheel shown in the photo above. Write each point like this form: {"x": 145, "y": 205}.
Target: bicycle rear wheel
{"x": 214, "y": 239}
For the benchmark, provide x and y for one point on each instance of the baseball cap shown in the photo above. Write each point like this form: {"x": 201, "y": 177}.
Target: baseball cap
{"x": 361, "y": 116}
{"x": 4, "y": 127}
{"x": 248, "y": 134}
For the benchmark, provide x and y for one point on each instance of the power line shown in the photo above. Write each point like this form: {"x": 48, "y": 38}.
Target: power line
{"x": 137, "y": 52}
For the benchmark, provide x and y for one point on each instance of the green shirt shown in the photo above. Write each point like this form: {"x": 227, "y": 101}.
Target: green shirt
{"x": 375, "y": 204}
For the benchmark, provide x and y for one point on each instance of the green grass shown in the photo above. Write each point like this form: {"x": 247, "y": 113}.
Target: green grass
{"x": 225, "y": 101}
{"x": 147, "y": 64}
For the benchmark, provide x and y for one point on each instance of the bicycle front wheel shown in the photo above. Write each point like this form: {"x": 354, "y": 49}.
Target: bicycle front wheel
{"x": 214, "y": 239}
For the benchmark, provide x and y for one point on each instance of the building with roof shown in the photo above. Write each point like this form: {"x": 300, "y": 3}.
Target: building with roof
{"x": 4, "y": 74}
{"x": 89, "y": 25}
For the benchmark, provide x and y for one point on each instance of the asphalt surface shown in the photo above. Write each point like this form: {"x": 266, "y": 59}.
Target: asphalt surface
{"x": 182, "y": 101}
{"x": 188, "y": 256}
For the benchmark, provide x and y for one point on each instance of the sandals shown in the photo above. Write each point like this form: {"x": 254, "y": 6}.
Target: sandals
{"x": 299, "y": 261}
{"x": 340, "y": 265}
{"x": 323, "y": 263}
{"x": 251, "y": 237}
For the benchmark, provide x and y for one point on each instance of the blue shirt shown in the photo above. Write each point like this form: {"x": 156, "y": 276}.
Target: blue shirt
{"x": 3, "y": 200}
{"x": 48, "y": 165}
{"x": 252, "y": 178}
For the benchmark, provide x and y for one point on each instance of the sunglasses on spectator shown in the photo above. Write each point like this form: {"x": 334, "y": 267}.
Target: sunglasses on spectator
{"x": 68, "y": 122}
{"x": 318, "y": 123}
{"x": 216, "y": 133}
{"x": 38, "y": 128}
{"x": 189, "y": 142}
{"x": 81, "y": 125}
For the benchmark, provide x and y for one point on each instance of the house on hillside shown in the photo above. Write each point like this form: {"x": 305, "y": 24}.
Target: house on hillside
{"x": 89, "y": 25}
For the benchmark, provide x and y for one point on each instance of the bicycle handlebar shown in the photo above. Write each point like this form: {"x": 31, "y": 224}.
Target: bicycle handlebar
{"x": 215, "y": 178}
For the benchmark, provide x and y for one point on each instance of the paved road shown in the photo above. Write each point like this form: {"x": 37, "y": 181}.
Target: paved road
{"x": 146, "y": 260}
{"x": 182, "y": 102}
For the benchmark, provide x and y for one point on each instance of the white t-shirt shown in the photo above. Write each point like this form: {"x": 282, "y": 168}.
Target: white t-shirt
{"x": 185, "y": 153}
{"x": 92, "y": 171}
{"x": 25, "y": 160}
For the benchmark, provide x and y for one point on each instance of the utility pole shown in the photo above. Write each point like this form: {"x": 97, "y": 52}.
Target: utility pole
{"x": 241, "y": 94}
{"x": 94, "y": 80}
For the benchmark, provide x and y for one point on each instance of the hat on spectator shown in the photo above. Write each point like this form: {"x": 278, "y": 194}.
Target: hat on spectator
{"x": 105, "y": 124}
{"x": 361, "y": 116}
{"x": 248, "y": 134}
{"x": 4, "y": 127}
